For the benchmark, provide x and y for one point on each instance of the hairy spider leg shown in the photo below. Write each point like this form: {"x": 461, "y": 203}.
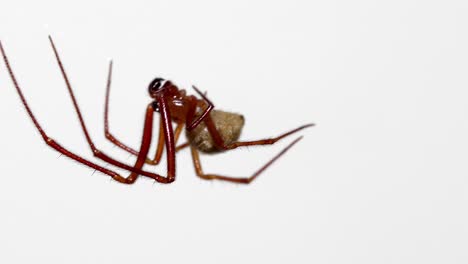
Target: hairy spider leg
{"x": 219, "y": 142}
{"x": 244, "y": 180}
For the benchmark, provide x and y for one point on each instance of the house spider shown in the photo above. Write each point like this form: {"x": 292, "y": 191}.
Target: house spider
{"x": 207, "y": 130}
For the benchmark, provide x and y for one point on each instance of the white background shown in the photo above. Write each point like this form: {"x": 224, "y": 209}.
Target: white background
{"x": 381, "y": 179}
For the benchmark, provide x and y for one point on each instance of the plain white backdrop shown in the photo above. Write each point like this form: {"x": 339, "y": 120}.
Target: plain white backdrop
{"x": 381, "y": 179}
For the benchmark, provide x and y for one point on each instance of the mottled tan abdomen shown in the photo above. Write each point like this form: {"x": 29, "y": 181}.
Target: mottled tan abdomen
{"x": 228, "y": 124}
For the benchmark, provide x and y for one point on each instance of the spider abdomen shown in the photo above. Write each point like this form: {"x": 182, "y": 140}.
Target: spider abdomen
{"x": 228, "y": 124}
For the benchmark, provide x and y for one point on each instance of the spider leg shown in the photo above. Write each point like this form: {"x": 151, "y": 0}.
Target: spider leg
{"x": 182, "y": 146}
{"x": 118, "y": 143}
{"x": 192, "y": 125}
{"x": 245, "y": 180}
{"x": 146, "y": 140}
{"x": 219, "y": 142}
{"x": 160, "y": 148}
{"x": 107, "y": 132}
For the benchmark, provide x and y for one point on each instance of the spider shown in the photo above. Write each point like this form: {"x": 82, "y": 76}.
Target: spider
{"x": 207, "y": 130}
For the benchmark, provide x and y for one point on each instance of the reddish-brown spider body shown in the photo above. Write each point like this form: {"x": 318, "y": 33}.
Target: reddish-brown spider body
{"x": 229, "y": 125}
{"x": 207, "y": 130}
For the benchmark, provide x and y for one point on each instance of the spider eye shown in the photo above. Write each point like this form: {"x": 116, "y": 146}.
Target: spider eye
{"x": 155, "y": 85}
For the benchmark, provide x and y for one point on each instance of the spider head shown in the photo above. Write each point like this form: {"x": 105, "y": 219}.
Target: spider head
{"x": 155, "y": 86}
{"x": 160, "y": 87}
